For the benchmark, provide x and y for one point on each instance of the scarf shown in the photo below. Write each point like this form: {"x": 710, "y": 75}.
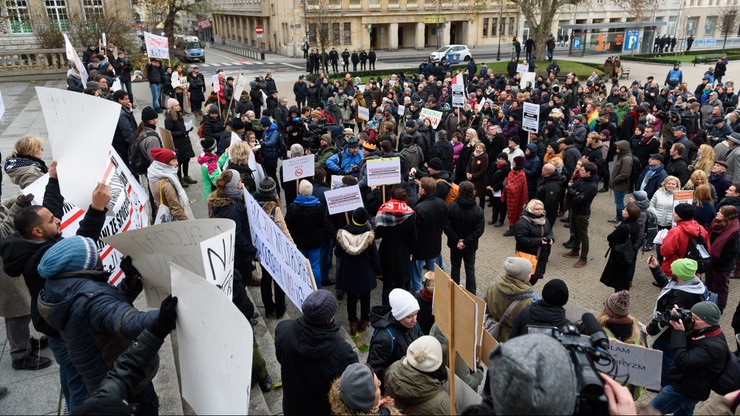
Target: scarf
{"x": 535, "y": 220}
{"x": 725, "y": 232}
{"x": 392, "y": 213}
{"x": 158, "y": 171}
{"x": 307, "y": 201}
{"x": 477, "y": 152}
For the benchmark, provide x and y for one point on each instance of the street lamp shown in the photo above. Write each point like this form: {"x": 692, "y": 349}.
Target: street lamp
{"x": 500, "y": 27}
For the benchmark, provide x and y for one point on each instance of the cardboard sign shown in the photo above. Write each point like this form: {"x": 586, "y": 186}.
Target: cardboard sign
{"x": 343, "y": 199}
{"x": 73, "y": 57}
{"x": 126, "y": 208}
{"x": 531, "y": 117}
{"x": 363, "y": 113}
{"x": 298, "y": 167}
{"x": 386, "y": 171}
{"x": 458, "y": 95}
{"x": 640, "y": 363}
{"x": 81, "y": 153}
{"x": 457, "y": 314}
{"x": 210, "y": 327}
{"x": 287, "y": 265}
{"x": 154, "y": 247}
{"x": 156, "y": 46}
{"x": 167, "y": 140}
{"x": 527, "y": 77}
{"x": 434, "y": 116}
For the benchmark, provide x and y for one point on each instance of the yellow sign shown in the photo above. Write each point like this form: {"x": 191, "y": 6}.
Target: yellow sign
{"x": 430, "y": 18}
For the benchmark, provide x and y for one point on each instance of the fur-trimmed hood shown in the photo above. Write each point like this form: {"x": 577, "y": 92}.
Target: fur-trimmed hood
{"x": 339, "y": 408}
{"x": 354, "y": 244}
{"x": 216, "y": 200}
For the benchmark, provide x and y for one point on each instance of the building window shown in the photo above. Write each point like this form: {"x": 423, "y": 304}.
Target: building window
{"x": 354, "y": 4}
{"x": 56, "y": 11}
{"x": 93, "y": 9}
{"x": 393, "y": 4}
{"x": 691, "y": 24}
{"x": 18, "y": 16}
{"x": 494, "y": 26}
{"x": 335, "y": 34}
{"x": 347, "y": 33}
{"x": 511, "y": 26}
{"x": 709, "y": 25}
{"x": 671, "y": 27}
{"x": 312, "y": 33}
{"x": 692, "y": 3}
{"x": 485, "y": 27}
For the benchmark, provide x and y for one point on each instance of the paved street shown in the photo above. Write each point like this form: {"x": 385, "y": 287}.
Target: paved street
{"x": 38, "y": 392}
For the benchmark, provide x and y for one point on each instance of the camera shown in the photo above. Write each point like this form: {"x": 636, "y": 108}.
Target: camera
{"x": 584, "y": 351}
{"x": 682, "y": 315}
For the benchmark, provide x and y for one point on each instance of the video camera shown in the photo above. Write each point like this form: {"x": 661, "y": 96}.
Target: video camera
{"x": 683, "y": 315}
{"x": 584, "y": 351}
{"x": 311, "y": 139}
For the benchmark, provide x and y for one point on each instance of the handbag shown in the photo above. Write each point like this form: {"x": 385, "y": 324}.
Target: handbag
{"x": 163, "y": 212}
{"x": 622, "y": 253}
{"x": 533, "y": 258}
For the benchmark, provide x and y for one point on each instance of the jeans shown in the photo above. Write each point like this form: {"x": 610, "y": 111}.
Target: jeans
{"x": 549, "y": 55}
{"x": 326, "y": 256}
{"x": 580, "y": 234}
{"x": 619, "y": 201}
{"x": 670, "y": 400}
{"x": 663, "y": 343}
{"x": 416, "y": 267}
{"x": 456, "y": 259}
{"x": 314, "y": 257}
{"x": 73, "y": 386}
{"x": 155, "y": 88}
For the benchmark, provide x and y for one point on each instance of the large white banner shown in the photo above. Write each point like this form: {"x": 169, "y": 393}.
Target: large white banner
{"x": 214, "y": 347}
{"x": 531, "y": 117}
{"x": 386, "y": 171}
{"x": 126, "y": 208}
{"x": 434, "y": 116}
{"x": 241, "y": 83}
{"x": 185, "y": 243}
{"x": 298, "y": 167}
{"x": 73, "y": 57}
{"x": 642, "y": 365}
{"x": 156, "y": 46}
{"x": 81, "y": 129}
{"x": 343, "y": 199}
{"x": 287, "y": 265}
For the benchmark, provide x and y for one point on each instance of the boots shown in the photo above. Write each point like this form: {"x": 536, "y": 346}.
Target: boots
{"x": 182, "y": 182}
{"x": 188, "y": 179}
{"x": 572, "y": 254}
{"x": 353, "y": 328}
{"x": 363, "y": 326}
{"x": 509, "y": 232}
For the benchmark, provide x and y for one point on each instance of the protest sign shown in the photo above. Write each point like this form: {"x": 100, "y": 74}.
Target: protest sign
{"x": 336, "y": 181}
{"x": 458, "y": 95}
{"x": 522, "y": 68}
{"x": 167, "y": 140}
{"x": 218, "y": 260}
{"x": 642, "y": 365}
{"x": 73, "y": 57}
{"x": 298, "y": 167}
{"x": 527, "y": 77}
{"x": 531, "y": 117}
{"x": 343, "y": 199}
{"x": 682, "y": 197}
{"x": 116, "y": 85}
{"x": 278, "y": 255}
{"x": 434, "y": 116}
{"x": 363, "y": 113}
{"x": 156, "y": 46}
{"x": 210, "y": 327}
{"x": 81, "y": 153}
{"x": 126, "y": 206}
{"x": 216, "y": 82}
{"x": 385, "y": 171}
{"x": 401, "y": 110}
{"x": 179, "y": 242}
{"x": 241, "y": 83}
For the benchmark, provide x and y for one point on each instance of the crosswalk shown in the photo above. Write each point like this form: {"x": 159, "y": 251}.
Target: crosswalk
{"x": 244, "y": 63}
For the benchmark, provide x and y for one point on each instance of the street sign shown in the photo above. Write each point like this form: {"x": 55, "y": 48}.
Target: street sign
{"x": 633, "y": 38}
{"x": 577, "y": 42}
{"x": 259, "y": 30}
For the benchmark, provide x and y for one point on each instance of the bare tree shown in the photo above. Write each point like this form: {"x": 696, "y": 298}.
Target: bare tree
{"x": 165, "y": 12}
{"x": 320, "y": 16}
{"x": 727, "y": 22}
{"x": 539, "y": 15}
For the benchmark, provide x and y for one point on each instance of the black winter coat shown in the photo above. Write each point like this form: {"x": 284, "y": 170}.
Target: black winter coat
{"x": 698, "y": 358}
{"x": 548, "y": 191}
{"x": 228, "y": 208}
{"x": 305, "y": 223}
{"x": 678, "y": 168}
{"x": 528, "y": 236}
{"x": 396, "y": 245}
{"x": 444, "y": 151}
{"x": 310, "y": 358}
{"x": 682, "y": 298}
{"x": 465, "y": 222}
{"x": 390, "y": 339}
{"x": 462, "y": 162}
{"x": 581, "y": 194}
{"x": 539, "y": 313}
{"x": 497, "y": 176}
{"x": 616, "y": 275}
{"x": 431, "y": 218}
{"x": 124, "y": 133}
{"x": 180, "y": 137}
{"x": 197, "y": 87}
{"x": 213, "y": 127}
{"x": 360, "y": 263}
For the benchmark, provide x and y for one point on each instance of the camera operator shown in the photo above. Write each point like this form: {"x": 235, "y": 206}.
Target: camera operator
{"x": 699, "y": 353}
{"x": 348, "y": 161}
{"x": 683, "y": 289}
{"x": 296, "y": 128}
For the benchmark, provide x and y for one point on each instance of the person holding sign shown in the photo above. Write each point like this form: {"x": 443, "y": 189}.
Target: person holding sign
{"x": 163, "y": 182}
{"x": 174, "y": 122}
{"x": 306, "y": 219}
{"x": 155, "y": 75}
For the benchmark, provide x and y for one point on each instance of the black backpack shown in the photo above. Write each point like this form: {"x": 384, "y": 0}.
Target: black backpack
{"x": 697, "y": 250}
{"x": 635, "y": 173}
{"x": 729, "y": 379}
{"x": 138, "y": 161}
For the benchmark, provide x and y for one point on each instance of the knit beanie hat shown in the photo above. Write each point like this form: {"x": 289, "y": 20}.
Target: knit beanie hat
{"x": 213, "y": 109}
{"x": 641, "y": 199}
{"x": 353, "y": 143}
{"x": 265, "y": 121}
{"x": 617, "y": 305}
{"x": 148, "y": 113}
{"x": 267, "y": 186}
{"x": 305, "y": 188}
{"x": 172, "y": 103}
{"x": 537, "y": 371}
{"x": 707, "y": 311}
{"x": 517, "y": 268}
{"x": 235, "y": 178}
{"x": 208, "y": 144}
{"x": 359, "y": 216}
{"x": 237, "y": 124}
{"x": 519, "y": 161}
{"x": 402, "y": 303}
{"x": 685, "y": 211}
{"x": 435, "y": 163}
{"x": 684, "y": 269}
{"x": 424, "y": 354}
{"x": 69, "y": 255}
{"x": 319, "y": 308}
{"x": 555, "y": 293}
{"x": 357, "y": 388}
{"x": 162, "y": 155}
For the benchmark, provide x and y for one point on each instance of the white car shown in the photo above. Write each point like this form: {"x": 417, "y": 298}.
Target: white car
{"x": 440, "y": 53}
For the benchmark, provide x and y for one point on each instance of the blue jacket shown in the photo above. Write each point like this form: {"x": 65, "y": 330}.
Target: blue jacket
{"x": 96, "y": 320}
{"x": 654, "y": 182}
{"x": 271, "y": 144}
{"x": 347, "y": 162}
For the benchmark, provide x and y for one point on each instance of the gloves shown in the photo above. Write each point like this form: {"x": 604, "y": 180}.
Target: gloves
{"x": 165, "y": 322}
{"x": 132, "y": 274}
{"x": 24, "y": 200}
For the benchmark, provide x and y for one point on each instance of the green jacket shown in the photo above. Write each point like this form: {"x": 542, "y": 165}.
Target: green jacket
{"x": 502, "y": 293}
{"x": 414, "y": 392}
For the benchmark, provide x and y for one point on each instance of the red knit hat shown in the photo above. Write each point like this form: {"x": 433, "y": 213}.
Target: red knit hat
{"x": 162, "y": 155}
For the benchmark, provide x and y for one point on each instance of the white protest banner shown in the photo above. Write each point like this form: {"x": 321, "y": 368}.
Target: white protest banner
{"x": 363, "y": 113}
{"x": 527, "y": 77}
{"x": 209, "y": 325}
{"x": 73, "y": 57}
{"x": 156, "y": 46}
{"x": 116, "y": 85}
{"x": 240, "y": 85}
{"x": 343, "y": 199}
{"x": 385, "y": 171}
{"x": 522, "y": 68}
{"x": 287, "y": 265}
{"x": 2, "y": 106}
{"x": 434, "y": 116}
{"x": 531, "y": 117}
{"x": 458, "y": 95}
{"x": 74, "y": 147}
{"x": 298, "y": 167}
{"x": 127, "y": 208}
{"x": 641, "y": 364}
{"x": 179, "y": 242}
{"x": 401, "y": 110}
{"x": 218, "y": 260}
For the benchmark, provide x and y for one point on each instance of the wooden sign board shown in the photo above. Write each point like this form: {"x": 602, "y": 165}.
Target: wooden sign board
{"x": 167, "y": 141}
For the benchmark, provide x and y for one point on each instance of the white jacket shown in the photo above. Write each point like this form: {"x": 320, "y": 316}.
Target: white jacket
{"x": 662, "y": 206}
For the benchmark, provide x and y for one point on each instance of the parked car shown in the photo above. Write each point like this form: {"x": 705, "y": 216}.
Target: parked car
{"x": 440, "y": 53}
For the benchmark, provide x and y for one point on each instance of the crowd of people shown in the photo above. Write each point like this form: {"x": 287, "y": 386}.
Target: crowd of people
{"x": 643, "y": 143}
